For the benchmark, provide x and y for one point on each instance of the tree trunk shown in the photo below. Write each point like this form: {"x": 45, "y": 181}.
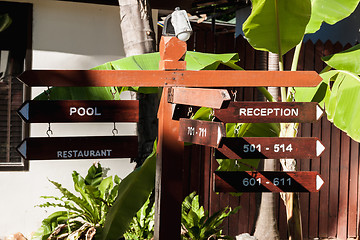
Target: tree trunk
{"x": 266, "y": 227}
{"x": 139, "y": 38}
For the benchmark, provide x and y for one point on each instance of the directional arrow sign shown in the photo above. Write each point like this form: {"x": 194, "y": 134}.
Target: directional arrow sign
{"x": 201, "y": 132}
{"x": 269, "y": 148}
{"x": 304, "y": 181}
{"x": 79, "y": 111}
{"x": 78, "y": 147}
{"x": 157, "y": 78}
{"x": 203, "y": 97}
{"x": 269, "y": 112}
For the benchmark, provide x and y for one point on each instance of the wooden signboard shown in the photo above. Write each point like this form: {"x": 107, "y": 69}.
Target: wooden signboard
{"x": 304, "y": 181}
{"x": 79, "y": 111}
{"x": 158, "y": 78}
{"x": 269, "y": 112}
{"x": 201, "y": 132}
{"x": 202, "y": 97}
{"x": 269, "y": 148}
{"x": 62, "y": 148}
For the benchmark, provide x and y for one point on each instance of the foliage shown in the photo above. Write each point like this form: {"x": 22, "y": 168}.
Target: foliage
{"x": 339, "y": 90}
{"x": 85, "y": 214}
{"x": 329, "y": 11}
{"x": 197, "y": 224}
{"x": 5, "y": 21}
{"x": 277, "y": 25}
{"x": 142, "y": 226}
{"x": 134, "y": 191}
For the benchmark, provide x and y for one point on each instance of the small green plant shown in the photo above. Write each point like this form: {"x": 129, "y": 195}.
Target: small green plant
{"x": 196, "y": 223}
{"x": 84, "y": 215}
{"x": 142, "y": 226}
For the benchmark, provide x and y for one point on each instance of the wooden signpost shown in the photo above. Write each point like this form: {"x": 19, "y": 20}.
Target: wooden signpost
{"x": 303, "y": 181}
{"x": 269, "y": 112}
{"x": 201, "y": 132}
{"x": 79, "y": 111}
{"x": 157, "y": 78}
{"x": 269, "y": 148}
{"x": 168, "y": 185}
{"x": 203, "y": 97}
{"x": 62, "y": 148}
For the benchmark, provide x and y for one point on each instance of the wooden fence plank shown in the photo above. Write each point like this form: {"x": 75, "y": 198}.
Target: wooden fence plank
{"x": 353, "y": 189}
{"x": 325, "y": 170}
{"x": 343, "y": 186}
{"x": 315, "y": 163}
{"x": 334, "y": 182}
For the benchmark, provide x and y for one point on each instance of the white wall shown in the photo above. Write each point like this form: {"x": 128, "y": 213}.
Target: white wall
{"x": 65, "y": 36}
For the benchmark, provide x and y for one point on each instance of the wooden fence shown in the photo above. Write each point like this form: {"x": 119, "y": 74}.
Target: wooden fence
{"x": 331, "y": 213}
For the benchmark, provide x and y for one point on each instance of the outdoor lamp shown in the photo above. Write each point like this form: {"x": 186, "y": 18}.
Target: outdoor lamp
{"x": 177, "y": 24}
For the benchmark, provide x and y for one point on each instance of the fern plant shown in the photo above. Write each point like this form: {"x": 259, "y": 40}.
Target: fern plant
{"x": 85, "y": 213}
{"x": 198, "y": 225}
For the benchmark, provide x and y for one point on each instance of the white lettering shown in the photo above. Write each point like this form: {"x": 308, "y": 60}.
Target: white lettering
{"x": 269, "y": 111}
{"x": 59, "y": 154}
{"x": 287, "y": 112}
{"x": 263, "y": 112}
{"x": 72, "y": 110}
{"x": 295, "y": 112}
{"x": 256, "y": 111}
{"x": 81, "y": 111}
{"x": 89, "y": 111}
{"x": 96, "y": 113}
{"x": 242, "y": 111}
{"x": 249, "y": 111}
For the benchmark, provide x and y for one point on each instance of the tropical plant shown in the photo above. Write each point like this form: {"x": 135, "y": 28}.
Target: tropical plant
{"x": 284, "y": 24}
{"x": 196, "y": 223}
{"x": 84, "y": 215}
{"x": 142, "y": 226}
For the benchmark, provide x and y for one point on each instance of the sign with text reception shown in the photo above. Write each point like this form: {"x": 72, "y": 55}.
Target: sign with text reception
{"x": 269, "y": 112}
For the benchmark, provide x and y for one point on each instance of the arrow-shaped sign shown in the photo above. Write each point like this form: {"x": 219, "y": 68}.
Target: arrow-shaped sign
{"x": 269, "y": 112}
{"x": 156, "y": 78}
{"x": 304, "y": 181}
{"x": 201, "y": 132}
{"x": 79, "y": 111}
{"x": 202, "y": 97}
{"x": 269, "y": 148}
{"x": 78, "y": 147}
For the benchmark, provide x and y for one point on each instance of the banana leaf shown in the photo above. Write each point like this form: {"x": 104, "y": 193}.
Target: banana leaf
{"x": 340, "y": 99}
{"x": 277, "y": 25}
{"x": 348, "y": 60}
{"x": 329, "y": 11}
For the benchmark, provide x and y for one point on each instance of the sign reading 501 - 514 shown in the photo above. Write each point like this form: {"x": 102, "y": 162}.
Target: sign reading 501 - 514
{"x": 268, "y": 147}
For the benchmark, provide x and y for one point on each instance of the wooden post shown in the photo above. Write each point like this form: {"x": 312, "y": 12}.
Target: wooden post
{"x": 169, "y": 163}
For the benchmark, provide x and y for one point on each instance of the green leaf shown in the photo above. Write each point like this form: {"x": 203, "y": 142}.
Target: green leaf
{"x": 342, "y": 104}
{"x": 95, "y": 175}
{"x": 5, "y": 21}
{"x": 348, "y": 60}
{"x": 329, "y": 11}
{"x": 341, "y": 101}
{"x": 133, "y": 193}
{"x": 277, "y": 25}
